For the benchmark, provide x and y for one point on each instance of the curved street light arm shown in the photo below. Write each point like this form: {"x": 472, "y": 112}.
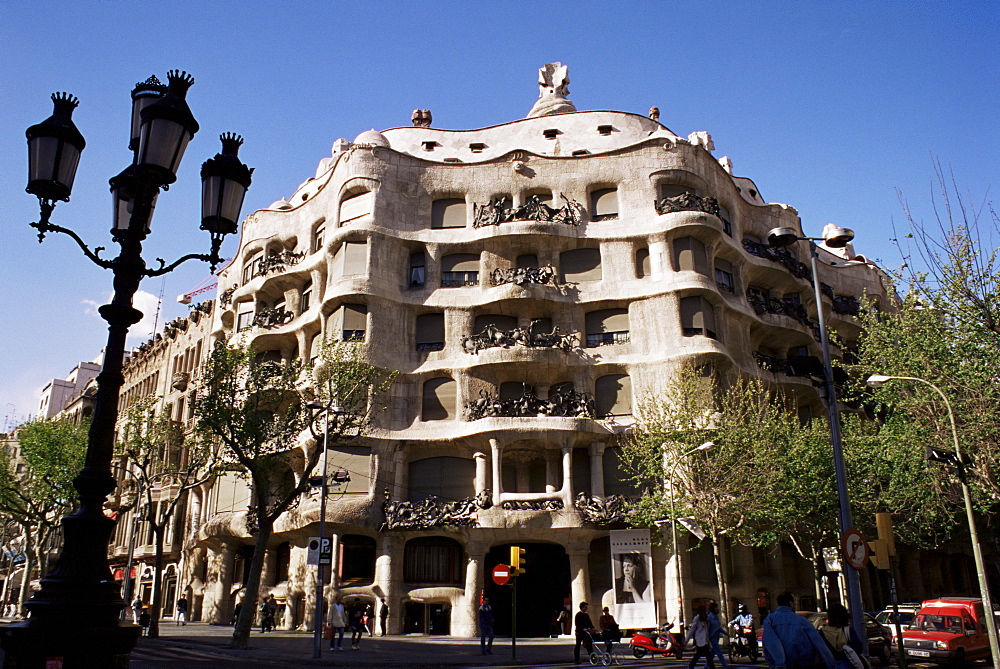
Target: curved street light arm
{"x": 164, "y": 268}
{"x": 43, "y": 226}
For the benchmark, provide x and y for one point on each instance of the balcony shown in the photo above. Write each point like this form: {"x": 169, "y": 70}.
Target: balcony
{"x": 687, "y": 202}
{"x": 567, "y": 403}
{"x": 531, "y": 337}
{"x": 499, "y": 211}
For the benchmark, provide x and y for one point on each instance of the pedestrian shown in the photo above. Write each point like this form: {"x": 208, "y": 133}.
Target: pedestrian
{"x": 137, "y": 605}
{"x": 714, "y": 632}
{"x": 357, "y": 613}
{"x": 337, "y": 621}
{"x": 182, "y": 611}
{"x": 267, "y": 609}
{"x": 836, "y": 632}
{"x": 609, "y": 629}
{"x": 584, "y": 627}
{"x": 790, "y": 641}
{"x": 486, "y": 627}
{"x": 699, "y": 632}
{"x": 369, "y": 619}
{"x": 144, "y": 620}
{"x": 236, "y": 612}
{"x": 383, "y": 616}
{"x": 562, "y": 617}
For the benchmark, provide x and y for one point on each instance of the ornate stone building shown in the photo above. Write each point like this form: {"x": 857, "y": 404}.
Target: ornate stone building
{"x": 530, "y": 281}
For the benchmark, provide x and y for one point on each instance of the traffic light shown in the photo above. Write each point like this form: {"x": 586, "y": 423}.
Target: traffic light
{"x": 516, "y": 560}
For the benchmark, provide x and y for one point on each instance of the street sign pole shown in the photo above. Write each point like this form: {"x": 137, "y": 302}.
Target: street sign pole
{"x": 513, "y": 619}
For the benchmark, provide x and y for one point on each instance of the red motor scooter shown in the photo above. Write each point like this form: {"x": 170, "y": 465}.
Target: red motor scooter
{"x": 661, "y": 641}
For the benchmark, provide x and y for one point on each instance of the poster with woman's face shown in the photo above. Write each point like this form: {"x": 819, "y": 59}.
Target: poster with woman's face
{"x": 631, "y": 566}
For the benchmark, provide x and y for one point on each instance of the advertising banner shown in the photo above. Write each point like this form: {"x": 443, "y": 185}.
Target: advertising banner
{"x": 632, "y": 572}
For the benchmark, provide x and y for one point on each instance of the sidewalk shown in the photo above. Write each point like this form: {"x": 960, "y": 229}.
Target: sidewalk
{"x": 296, "y": 649}
{"x": 198, "y": 643}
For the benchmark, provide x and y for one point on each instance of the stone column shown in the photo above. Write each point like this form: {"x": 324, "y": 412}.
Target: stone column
{"x": 551, "y": 470}
{"x": 482, "y": 473}
{"x": 400, "y": 473}
{"x": 388, "y": 576}
{"x": 332, "y": 578}
{"x": 597, "y": 469}
{"x": 464, "y": 615}
{"x": 567, "y": 466}
{"x": 308, "y": 585}
{"x": 497, "y": 450}
{"x": 216, "y": 605}
{"x": 580, "y": 578}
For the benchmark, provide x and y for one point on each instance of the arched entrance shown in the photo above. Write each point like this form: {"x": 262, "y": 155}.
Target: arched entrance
{"x": 541, "y": 590}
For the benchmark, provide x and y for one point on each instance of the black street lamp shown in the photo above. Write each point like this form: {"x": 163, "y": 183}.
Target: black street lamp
{"x": 75, "y": 616}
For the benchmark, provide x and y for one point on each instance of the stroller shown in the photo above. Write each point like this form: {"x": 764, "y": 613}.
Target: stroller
{"x": 607, "y": 656}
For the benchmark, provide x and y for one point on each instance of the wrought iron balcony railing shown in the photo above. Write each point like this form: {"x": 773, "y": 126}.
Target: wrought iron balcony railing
{"x": 521, "y": 276}
{"x": 687, "y": 202}
{"x": 531, "y": 336}
{"x": 499, "y": 211}
{"x": 607, "y": 338}
{"x": 568, "y": 403}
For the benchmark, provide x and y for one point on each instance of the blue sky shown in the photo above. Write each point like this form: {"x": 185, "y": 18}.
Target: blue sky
{"x": 829, "y": 107}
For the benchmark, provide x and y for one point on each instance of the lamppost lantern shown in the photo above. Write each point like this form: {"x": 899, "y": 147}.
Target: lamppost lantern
{"x": 224, "y": 184}
{"x": 836, "y": 237}
{"x": 54, "y": 148}
{"x": 144, "y": 94}
{"x": 165, "y": 128}
{"x": 128, "y": 192}
{"x": 781, "y": 237}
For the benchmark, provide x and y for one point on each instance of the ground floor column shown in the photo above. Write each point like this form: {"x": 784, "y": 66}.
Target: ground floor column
{"x": 388, "y": 580}
{"x": 464, "y": 616}
{"x": 216, "y": 607}
{"x": 579, "y": 575}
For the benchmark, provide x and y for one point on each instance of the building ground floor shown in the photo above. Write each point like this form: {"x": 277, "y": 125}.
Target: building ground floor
{"x": 433, "y": 580}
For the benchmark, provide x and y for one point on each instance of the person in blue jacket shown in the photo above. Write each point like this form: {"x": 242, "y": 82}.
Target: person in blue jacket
{"x": 790, "y": 642}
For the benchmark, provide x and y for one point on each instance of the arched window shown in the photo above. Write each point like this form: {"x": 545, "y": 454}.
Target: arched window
{"x": 355, "y": 206}
{"x": 430, "y": 332}
{"x": 613, "y": 395}
{"x": 439, "y": 399}
{"x": 690, "y": 255}
{"x": 580, "y": 265}
{"x": 698, "y": 317}
{"x": 433, "y": 560}
{"x": 447, "y": 478}
{"x": 357, "y": 559}
{"x": 607, "y": 326}
{"x": 604, "y": 204}
{"x": 448, "y": 213}
{"x": 459, "y": 269}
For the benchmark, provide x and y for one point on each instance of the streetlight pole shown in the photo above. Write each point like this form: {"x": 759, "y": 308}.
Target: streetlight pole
{"x": 834, "y": 237}
{"x": 323, "y": 486}
{"x": 673, "y": 533}
{"x": 75, "y": 615}
{"x": 877, "y": 380}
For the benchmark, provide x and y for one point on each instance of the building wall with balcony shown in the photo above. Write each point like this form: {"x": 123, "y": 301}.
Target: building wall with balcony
{"x": 531, "y": 282}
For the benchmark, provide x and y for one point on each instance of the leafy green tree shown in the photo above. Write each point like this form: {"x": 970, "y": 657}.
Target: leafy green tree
{"x": 36, "y": 485}
{"x": 162, "y": 465}
{"x": 257, "y": 410}
{"x": 724, "y": 490}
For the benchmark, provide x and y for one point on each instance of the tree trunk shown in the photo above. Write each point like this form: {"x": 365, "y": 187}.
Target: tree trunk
{"x": 157, "y": 604}
{"x": 29, "y": 551}
{"x": 251, "y": 599}
{"x": 818, "y": 568}
{"x": 720, "y": 575}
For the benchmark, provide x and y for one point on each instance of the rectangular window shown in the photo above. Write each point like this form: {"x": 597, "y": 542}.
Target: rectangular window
{"x": 417, "y": 270}
{"x": 459, "y": 269}
{"x": 355, "y": 258}
{"x": 244, "y": 319}
{"x": 448, "y": 213}
{"x": 355, "y": 322}
{"x": 604, "y": 204}
{"x": 355, "y": 207}
{"x": 724, "y": 275}
{"x": 318, "y": 238}
{"x": 430, "y": 332}
{"x": 697, "y": 317}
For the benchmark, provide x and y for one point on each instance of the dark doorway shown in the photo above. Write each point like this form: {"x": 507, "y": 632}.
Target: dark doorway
{"x": 432, "y": 618}
{"x": 541, "y": 590}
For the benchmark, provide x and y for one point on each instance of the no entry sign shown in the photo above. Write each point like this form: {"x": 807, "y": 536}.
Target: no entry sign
{"x": 501, "y": 574}
{"x": 855, "y": 549}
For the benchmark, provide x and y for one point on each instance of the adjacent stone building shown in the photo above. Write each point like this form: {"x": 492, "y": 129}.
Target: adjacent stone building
{"x": 530, "y": 281}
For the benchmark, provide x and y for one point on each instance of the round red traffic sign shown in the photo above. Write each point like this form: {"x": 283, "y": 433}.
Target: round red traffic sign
{"x": 855, "y": 549}
{"x": 501, "y": 574}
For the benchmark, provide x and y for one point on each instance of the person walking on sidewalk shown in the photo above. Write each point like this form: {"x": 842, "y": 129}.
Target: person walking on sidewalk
{"x": 337, "y": 621}
{"x": 182, "y": 611}
{"x": 486, "y": 627}
{"x": 357, "y": 615}
{"x": 790, "y": 641}
{"x": 383, "y": 616}
{"x": 584, "y": 626}
{"x": 137, "y": 609}
{"x": 714, "y": 632}
{"x": 699, "y": 632}
{"x": 267, "y": 609}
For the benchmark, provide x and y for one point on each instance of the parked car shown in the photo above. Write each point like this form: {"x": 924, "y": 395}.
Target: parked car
{"x": 907, "y": 612}
{"x": 879, "y": 636}
{"x": 948, "y": 630}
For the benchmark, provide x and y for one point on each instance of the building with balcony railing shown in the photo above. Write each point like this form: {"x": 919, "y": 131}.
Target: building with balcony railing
{"x": 531, "y": 282}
